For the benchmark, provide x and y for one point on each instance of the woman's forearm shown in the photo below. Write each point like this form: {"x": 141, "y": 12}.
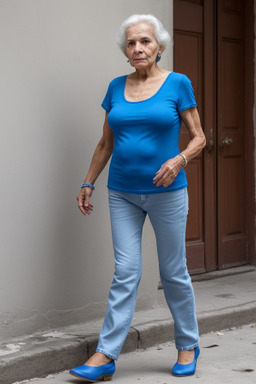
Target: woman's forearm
{"x": 101, "y": 154}
{"x": 100, "y": 158}
{"x": 194, "y": 147}
{"x": 193, "y": 124}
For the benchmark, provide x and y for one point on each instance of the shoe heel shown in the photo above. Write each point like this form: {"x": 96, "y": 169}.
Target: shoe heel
{"x": 106, "y": 378}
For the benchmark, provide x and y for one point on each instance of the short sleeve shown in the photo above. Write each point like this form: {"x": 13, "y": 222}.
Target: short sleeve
{"x": 186, "y": 95}
{"x": 106, "y": 104}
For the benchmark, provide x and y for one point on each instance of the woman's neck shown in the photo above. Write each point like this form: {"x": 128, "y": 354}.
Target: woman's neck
{"x": 145, "y": 73}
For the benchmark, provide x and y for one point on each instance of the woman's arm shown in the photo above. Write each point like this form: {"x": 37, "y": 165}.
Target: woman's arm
{"x": 191, "y": 120}
{"x": 100, "y": 158}
{"x": 170, "y": 169}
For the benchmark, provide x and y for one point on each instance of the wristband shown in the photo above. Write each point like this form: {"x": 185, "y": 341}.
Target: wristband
{"x": 88, "y": 185}
{"x": 184, "y": 158}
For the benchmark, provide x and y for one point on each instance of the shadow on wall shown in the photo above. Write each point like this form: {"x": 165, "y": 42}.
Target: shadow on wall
{"x": 78, "y": 243}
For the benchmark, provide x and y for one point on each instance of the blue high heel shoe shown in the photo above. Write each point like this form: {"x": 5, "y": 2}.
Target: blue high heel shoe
{"x": 88, "y": 373}
{"x": 186, "y": 369}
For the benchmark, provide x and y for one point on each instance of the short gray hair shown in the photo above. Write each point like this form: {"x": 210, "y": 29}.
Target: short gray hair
{"x": 161, "y": 34}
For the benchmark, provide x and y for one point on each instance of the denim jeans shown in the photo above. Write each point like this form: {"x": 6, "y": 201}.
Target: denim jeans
{"x": 167, "y": 212}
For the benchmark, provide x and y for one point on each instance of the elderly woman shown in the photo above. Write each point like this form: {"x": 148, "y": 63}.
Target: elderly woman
{"x": 144, "y": 111}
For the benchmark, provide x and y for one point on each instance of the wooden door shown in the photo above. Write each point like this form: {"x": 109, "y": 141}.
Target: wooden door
{"x": 231, "y": 139}
{"x": 209, "y": 47}
{"x": 193, "y": 27}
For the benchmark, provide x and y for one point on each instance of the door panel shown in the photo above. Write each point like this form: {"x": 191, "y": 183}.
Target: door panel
{"x": 231, "y": 176}
{"x": 188, "y": 59}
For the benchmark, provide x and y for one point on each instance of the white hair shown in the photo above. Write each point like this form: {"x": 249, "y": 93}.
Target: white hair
{"x": 162, "y": 36}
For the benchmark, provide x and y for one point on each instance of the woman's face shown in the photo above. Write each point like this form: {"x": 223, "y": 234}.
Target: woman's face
{"x": 141, "y": 45}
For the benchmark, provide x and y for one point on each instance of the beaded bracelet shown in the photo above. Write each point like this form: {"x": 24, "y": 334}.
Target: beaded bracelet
{"x": 88, "y": 185}
{"x": 184, "y": 158}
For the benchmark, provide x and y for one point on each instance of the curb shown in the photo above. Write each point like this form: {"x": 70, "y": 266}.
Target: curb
{"x": 52, "y": 356}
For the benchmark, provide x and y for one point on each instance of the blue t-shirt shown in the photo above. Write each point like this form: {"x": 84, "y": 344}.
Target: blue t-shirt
{"x": 146, "y": 134}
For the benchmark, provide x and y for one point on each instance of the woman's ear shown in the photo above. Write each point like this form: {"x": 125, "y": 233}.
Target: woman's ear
{"x": 161, "y": 48}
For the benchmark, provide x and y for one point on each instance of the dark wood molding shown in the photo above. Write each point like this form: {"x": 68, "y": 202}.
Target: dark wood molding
{"x": 249, "y": 132}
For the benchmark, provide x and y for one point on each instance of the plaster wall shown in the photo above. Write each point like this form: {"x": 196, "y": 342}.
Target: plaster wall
{"x": 57, "y": 58}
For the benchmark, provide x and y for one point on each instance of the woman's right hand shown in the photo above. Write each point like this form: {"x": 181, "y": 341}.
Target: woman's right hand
{"x": 84, "y": 200}
{"x": 100, "y": 158}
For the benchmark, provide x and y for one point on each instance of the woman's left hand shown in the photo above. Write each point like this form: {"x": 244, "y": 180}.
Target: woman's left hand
{"x": 168, "y": 172}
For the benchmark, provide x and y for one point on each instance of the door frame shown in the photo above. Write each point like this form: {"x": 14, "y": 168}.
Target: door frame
{"x": 249, "y": 131}
{"x": 210, "y": 128}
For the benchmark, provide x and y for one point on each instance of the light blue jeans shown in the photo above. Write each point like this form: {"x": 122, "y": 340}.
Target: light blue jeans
{"x": 167, "y": 212}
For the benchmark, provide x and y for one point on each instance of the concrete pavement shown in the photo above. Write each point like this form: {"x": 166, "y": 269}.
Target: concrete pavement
{"x": 229, "y": 358}
{"x": 222, "y": 303}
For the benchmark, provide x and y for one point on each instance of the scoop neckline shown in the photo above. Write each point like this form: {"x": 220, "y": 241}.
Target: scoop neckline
{"x": 149, "y": 98}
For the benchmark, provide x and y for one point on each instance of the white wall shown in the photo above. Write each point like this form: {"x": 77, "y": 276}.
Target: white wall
{"x": 57, "y": 57}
